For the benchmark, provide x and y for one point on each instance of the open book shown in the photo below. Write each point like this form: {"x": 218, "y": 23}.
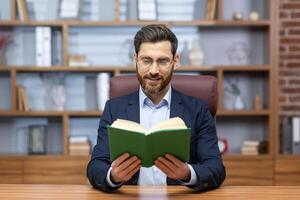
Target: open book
{"x": 169, "y": 136}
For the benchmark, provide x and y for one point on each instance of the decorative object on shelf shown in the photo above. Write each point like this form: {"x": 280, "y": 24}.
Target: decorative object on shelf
{"x": 6, "y": 38}
{"x": 232, "y": 88}
{"x": 196, "y": 55}
{"x": 37, "y": 139}
{"x": 253, "y": 16}
{"x": 238, "y": 15}
{"x": 210, "y": 9}
{"x": 126, "y": 59}
{"x": 223, "y": 145}
{"x": 55, "y": 84}
{"x": 78, "y": 61}
{"x": 69, "y": 9}
{"x": 147, "y": 10}
{"x": 257, "y": 103}
{"x": 185, "y": 55}
{"x": 239, "y": 53}
{"x": 59, "y": 97}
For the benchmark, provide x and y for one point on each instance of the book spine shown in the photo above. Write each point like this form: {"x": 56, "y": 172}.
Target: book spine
{"x": 296, "y": 135}
{"x": 47, "y": 46}
{"x": 39, "y": 46}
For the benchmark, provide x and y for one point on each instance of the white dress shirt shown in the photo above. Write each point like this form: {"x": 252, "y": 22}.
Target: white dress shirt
{"x": 151, "y": 114}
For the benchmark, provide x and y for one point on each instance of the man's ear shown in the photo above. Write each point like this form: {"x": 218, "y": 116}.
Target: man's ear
{"x": 176, "y": 61}
{"x": 134, "y": 58}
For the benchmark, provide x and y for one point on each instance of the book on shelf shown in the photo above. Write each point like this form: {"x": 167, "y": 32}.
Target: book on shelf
{"x": 22, "y": 99}
{"x": 79, "y": 145}
{"x": 69, "y": 9}
{"x": 102, "y": 89}
{"x": 169, "y": 136}
{"x": 210, "y": 9}
{"x": 43, "y": 46}
{"x": 254, "y": 147}
{"x": 22, "y": 10}
{"x": 52, "y": 10}
{"x": 147, "y": 10}
{"x": 296, "y": 134}
{"x": 286, "y": 139}
{"x": 78, "y": 61}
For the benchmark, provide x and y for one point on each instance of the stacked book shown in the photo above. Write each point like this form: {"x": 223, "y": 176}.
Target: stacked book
{"x": 254, "y": 147}
{"x": 22, "y": 100}
{"x": 79, "y": 146}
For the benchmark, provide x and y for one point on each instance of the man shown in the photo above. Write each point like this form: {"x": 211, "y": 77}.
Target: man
{"x": 156, "y": 58}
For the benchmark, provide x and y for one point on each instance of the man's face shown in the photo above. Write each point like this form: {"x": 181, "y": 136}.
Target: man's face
{"x": 155, "y": 65}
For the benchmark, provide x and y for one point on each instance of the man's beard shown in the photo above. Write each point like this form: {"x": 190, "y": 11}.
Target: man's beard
{"x": 156, "y": 88}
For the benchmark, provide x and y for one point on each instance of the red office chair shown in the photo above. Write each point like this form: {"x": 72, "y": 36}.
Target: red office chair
{"x": 203, "y": 87}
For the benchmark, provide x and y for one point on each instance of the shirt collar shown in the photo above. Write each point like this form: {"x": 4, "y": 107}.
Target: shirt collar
{"x": 144, "y": 100}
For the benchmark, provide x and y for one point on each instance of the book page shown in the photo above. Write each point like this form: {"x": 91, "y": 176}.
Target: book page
{"x": 173, "y": 123}
{"x": 128, "y": 125}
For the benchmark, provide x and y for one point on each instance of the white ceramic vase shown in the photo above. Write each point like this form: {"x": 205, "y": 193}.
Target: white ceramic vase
{"x": 59, "y": 97}
{"x": 238, "y": 103}
{"x": 196, "y": 55}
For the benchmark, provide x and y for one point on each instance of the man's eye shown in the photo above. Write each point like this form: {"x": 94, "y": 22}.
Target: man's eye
{"x": 164, "y": 62}
{"x": 145, "y": 61}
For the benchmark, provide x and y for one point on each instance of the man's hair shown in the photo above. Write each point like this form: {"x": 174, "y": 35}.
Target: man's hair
{"x": 155, "y": 33}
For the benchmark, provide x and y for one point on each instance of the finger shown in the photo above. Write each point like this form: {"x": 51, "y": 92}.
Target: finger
{"x": 127, "y": 163}
{"x": 164, "y": 168}
{"x": 174, "y": 160}
{"x": 120, "y": 159}
{"x": 132, "y": 172}
{"x": 168, "y": 163}
{"x": 127, "y": 170}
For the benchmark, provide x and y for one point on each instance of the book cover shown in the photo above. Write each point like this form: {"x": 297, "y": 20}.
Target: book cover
{"x": 210, "y": 9}
{"x": 22, "y": 9}
{"x": 170, "y": 136}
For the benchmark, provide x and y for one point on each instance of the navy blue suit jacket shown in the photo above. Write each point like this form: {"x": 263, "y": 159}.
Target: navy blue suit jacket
{"x": 205, "y": 156}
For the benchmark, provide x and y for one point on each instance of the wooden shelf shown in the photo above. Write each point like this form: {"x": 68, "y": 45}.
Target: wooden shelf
{"x": 246, "y": 157}
{"x": 210, "y": 23}
{"x": 50, "y": 113}
{"x": 243, "y": 113}
{"x": 288, "y": 157}
{"x": 216, "y": 23}
{"x": 248, "y": 68}
{"x": 31, "y": 114}
{"x": 64, "y": 69}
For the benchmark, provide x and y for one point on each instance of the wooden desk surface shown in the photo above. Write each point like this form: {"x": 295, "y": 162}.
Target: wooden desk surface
{"x": 82, "y": 192}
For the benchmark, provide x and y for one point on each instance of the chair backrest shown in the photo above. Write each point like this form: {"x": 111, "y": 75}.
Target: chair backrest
{"x": 199, "y": 86}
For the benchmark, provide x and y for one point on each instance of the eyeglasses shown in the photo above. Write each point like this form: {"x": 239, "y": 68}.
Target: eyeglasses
{"x": 146, "y": 62}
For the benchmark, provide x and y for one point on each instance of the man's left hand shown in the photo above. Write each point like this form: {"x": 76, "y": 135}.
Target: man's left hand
{"x": 173, "y": 168}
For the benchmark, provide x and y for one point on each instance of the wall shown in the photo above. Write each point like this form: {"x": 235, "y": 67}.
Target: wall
{"x": 289, "y": 56}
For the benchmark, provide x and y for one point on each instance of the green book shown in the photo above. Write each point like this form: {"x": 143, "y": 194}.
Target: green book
{"x": 169, "y": 136}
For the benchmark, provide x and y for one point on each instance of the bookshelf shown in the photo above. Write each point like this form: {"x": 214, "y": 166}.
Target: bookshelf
{"x": 98, "y": 40}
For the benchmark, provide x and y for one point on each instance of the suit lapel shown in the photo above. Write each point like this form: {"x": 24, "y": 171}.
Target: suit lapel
{"x": 177, "y": 107}
{"x": 133, "y": 108}
{"x": 133, "y": 114}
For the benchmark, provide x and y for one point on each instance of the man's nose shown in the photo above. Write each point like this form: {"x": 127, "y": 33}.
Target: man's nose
{"x": 154, "y": 68}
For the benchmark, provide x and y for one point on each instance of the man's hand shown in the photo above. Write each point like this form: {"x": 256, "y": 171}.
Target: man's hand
{"x": 173, "y": 168}
{"x": 124, "y": 167}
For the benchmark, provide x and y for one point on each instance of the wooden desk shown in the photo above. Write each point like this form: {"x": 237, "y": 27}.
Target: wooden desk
{"x": 82, "y": 192}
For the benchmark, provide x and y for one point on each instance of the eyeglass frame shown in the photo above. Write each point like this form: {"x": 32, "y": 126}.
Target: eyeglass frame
{"x": 158, "y": 62}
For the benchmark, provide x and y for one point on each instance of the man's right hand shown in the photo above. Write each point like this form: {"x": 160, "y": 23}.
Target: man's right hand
{"x": 124, "y": 167}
